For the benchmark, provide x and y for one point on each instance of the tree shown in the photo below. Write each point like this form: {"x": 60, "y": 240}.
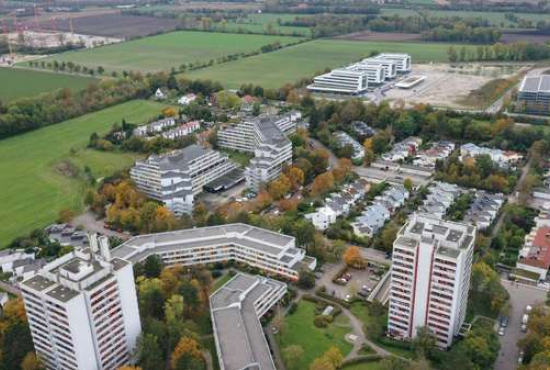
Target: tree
{"x": 31, "y": 362}
{"x": 149, "y": 354}
{"x": 388, "y": 236}
{"x": 66, "y": 215}
{"x": 187, "y": 355}
{"x": 335, "y": 357}
{"x": 296, "y": 177}
{"x": 152, "y": 267}
{"x": 393, "y": 363}
{"x": 424, "y": 343}
{"x": 322, "y": 184}
{"x": 292, "y": 354}
{"x": 151, "y": 298}
{"x": 353, "y": 258}
{"x": 227, "y": 100}
{"x": 322, "y": 364}
{"x": 306, "y": 279}
{"x": 408, "y": 184}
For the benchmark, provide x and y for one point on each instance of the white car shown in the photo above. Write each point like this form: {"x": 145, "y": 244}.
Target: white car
{"x": 348, "y": 298}
{"x": 520, "y": 357}
{"x": 501, "y": 331}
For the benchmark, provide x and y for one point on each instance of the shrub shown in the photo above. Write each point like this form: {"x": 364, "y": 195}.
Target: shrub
{"x": 322, "y": 321}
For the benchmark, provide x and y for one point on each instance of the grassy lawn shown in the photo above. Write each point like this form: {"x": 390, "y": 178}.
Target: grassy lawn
{"x": 169, "y": 50}
{"x": 300, "y": 330}
{"x": 20, "y": 83}
{"x": 243, "y": 159}
{"x": 34, "y": 187}
{"x": 305, "y": 60}
{"x": 373, "y": 365}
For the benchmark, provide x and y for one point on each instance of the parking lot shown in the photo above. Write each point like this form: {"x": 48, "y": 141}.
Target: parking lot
{"x": 520, "y": 296}
{"x": 360, "y": 282}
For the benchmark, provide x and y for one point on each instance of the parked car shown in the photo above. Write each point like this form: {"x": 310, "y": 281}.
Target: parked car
{"x": 363, "y": 294}
{"x": 504, "y": 321}
{"x": 528, "y": 309}
{"x": 525, "y": 319}
{"x": 501, "y": 331}
{"x": 348, "y": 298}
{"x": 520, "y": 357}
{"x": 524, "y": 328}
{"x": 318, "y": 275}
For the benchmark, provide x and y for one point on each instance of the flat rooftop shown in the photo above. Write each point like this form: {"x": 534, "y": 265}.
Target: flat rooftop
{"x": 237, "y": 328}
{"x": 266, "y": 241}
{"x": 535, "y": 84}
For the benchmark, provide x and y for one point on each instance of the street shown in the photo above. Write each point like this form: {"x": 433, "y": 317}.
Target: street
{"x": 520, "y": 296}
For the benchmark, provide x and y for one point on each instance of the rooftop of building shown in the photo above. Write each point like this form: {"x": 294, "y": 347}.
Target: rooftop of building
{"x": 266, "y": 241}
{"x": 540, "y": 250}
{"x": 535, "y": 84}
{"x": 242, "y": 343}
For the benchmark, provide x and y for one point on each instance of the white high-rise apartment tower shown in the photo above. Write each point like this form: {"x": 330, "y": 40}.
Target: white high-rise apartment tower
{"x": 430, "y": 278}
{"x": 82, "y": 310}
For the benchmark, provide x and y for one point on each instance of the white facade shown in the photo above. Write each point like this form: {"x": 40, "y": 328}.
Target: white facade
{"x": 430, "y": 278}
{"x": 500, "y": 157}
{"x": 389, "y": 66}
{"x": 402, "y": 61}
{"x": 83, "y": 313}
{"x": 341, "y": 81}
{"x": 376, "y": 72}
{"x": 182, "y": 130}
{"x": 267, "y": 250}
{"x": 175, "y": 178}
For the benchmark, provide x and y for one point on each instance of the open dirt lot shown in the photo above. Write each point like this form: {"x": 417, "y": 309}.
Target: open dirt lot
{"x": 116, "y": 25}
{"x": 509, "y": 37}
{"x": 446, "y": 85}
{"x": 380, "y": 36}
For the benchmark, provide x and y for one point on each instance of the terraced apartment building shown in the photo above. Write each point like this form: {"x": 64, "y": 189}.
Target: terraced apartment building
{"x": 430, "y": 278}
{"x": 177, "y": 177}
{"x": 272, "y": 252}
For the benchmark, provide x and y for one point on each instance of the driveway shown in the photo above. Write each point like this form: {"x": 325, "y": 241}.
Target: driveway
{"x": 520, "y": 296}
{"x": 88, "y": 221}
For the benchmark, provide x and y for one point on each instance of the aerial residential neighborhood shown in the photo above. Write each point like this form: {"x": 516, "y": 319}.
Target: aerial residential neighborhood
{"x": 274, "y": 185}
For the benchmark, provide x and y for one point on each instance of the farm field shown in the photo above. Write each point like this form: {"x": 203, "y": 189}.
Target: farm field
{"x": 272, "y": 70}
{"x": 496, "y": 18}
{"x": 35, "y": 180}
{"x": 21, "y": 83}
{"x": 169, "y": 50}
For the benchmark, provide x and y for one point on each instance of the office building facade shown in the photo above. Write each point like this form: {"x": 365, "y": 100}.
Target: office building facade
{"x": 430, "y": 278}
{"x": 534, "y": 95}
{"x": 341, "y": 81}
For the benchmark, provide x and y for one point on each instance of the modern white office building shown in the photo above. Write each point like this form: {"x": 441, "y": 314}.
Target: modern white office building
{"x": 272, "y": 252}
{"x": 402, "y": 61}
{"x": 534, "y": 95}
{"x": 389, "y": 66}
{"x": 236, "y": 309}
{"x": 341, "y": 81}
{"x": 82, "y": 310}
{"x": 430, "y": 278}
{"x": 177, "y": 177}
{"x": 376, "y": 73}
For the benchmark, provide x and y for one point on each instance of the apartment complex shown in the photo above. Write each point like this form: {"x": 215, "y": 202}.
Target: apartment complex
{"x": 82, "y": 310}
{"x": 534, "y": 95}
{"x": 267, "y": 250}
{"x": 236, "y": 309}
{"x": 175, "y": 178}
{"x": 265, "y": 136}
{"x": 430, "y": 278}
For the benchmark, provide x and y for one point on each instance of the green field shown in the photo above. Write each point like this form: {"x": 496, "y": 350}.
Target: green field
{"x": 374, "y": 365}
{"x": 20, "y": 83}
{"x": 34, "y": 186}
{"x": 305, "y": 60}
{"x": 299, "y": 329}
{"x": 495, "y": 18}
{"x": 260, "y": 23}
{"x": 169, "y": 50}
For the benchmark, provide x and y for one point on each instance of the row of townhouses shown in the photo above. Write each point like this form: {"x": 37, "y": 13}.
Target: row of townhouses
{"x": 440, "y": 150}
{"x": 506, "y": 159}
{"x": 355, "y": 79}
{"x": 403, "y": 149}
{"x": 440, "y": 197}
{"x": 373, "y": 218}
{"x": 484, "y": 209}
{"x": 338, "y": 204}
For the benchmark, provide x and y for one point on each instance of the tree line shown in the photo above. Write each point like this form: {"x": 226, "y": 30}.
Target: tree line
{"x": 516, "y": 51}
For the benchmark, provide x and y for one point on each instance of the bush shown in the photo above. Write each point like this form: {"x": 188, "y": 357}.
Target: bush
{"x": 216, "y": 274}
{"x": 293, "y": 307}
{"x": 361, "y": 360}
{"x": 322, "y": 321}
{"x": 394, "y": 343}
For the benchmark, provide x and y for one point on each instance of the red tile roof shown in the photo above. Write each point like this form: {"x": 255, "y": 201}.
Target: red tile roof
{"x": 542, "y": 243}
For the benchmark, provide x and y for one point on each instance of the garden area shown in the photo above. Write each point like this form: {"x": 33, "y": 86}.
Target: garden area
{"x": 299, "y": 329}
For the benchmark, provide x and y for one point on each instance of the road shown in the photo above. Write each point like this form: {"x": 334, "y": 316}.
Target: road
{"x": 520, "y": 296}
{"x": 88, "y": 221}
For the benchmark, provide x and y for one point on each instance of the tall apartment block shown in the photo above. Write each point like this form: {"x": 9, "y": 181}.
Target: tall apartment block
{"x": 82, "y": 310}
{"x": 430, "y": 278}
{"x": 175, "y": 178}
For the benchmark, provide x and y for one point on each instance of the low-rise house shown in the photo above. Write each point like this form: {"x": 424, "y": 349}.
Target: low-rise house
{"x": 187, "y": 99}
{"x": 338, "y": 204}
{"x": 438, "y": 151}
{"x": 373, "y": 218}
{"x": 182, "y": 130}
{"x": 403, "y": 149}
{"x": 535, "y": 255}
{"x": 344, "y": 140}
{"x": 440, "y": 197}
{"x": 9, "y": 257}
{"x": 362, "y": 129}
{"x": 159, "y": 94}
{"x": 500, "y": 157}
{"x": 155, "y": 127}
{"x": 484, "y": 209}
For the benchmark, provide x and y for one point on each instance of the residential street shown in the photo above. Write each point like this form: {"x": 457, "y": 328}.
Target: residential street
{"x": 520, "y": 296}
